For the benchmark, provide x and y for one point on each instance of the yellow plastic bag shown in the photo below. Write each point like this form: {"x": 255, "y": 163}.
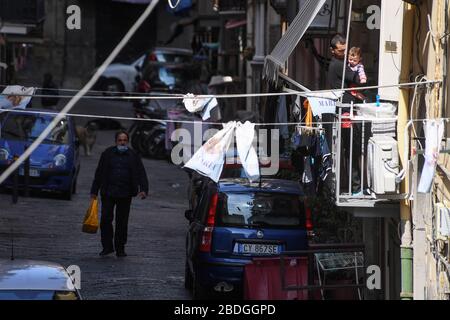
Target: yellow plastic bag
{"x": 90, "y": 222}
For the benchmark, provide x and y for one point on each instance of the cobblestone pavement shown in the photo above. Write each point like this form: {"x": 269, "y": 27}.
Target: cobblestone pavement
{"x": 47, "y": 228}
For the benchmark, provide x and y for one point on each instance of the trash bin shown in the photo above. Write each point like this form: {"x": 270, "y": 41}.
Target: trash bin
{"x": 263, "y": 279}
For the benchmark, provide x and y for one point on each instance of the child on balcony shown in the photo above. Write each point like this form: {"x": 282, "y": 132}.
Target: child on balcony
{"x": 354, "y": 63}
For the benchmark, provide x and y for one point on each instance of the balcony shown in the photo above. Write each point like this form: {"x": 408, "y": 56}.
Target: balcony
{"x": 232, "y": 7}
{"x": 29, "y": 12}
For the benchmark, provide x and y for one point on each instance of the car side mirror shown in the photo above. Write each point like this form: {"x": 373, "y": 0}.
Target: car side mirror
{"x": 189, "y": 214}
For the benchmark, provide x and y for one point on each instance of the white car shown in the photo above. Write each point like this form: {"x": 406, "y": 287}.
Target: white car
{"x": 121, "y": 77}
{"x": 36, "y": 280}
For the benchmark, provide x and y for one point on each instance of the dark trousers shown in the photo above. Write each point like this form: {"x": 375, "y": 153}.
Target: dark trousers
{"x": 122, "y": 206}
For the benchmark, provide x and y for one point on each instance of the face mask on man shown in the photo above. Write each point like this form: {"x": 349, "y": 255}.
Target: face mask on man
{"x": 122, "y": 148}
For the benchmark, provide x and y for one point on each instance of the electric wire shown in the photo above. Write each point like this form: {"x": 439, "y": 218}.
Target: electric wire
{"x": 232, "y": 96}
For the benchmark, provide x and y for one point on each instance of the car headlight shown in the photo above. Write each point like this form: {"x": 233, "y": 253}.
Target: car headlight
{"x": 4, "y": 154}
{"x": 60, "y": 160}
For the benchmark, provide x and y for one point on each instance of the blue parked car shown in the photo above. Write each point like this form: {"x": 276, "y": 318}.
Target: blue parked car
{"x": 55, "y": 164}
{"x": 234, "y": 221}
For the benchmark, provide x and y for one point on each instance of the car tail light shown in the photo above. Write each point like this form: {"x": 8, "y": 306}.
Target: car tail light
{"x": 152, "y": 57}
{"x": 205, "y": 245}
{"x": 309, "y": 224}
{"x": 144, "y": 86}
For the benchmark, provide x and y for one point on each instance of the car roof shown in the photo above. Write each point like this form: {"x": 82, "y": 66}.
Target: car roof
{"x": 266, "y": 185}
{"x": 33, "y": 275}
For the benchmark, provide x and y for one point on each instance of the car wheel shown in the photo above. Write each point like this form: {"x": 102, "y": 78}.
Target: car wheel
{"x": 67, "y": 195}
{"x": 188, "y": 279}
{"x": 198, "y": 291}
{"x": 113, "y": 87}
{"x": 74, "y": 188}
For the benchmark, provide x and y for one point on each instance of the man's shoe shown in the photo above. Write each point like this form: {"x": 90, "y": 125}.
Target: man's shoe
{"x": 105, "y": 252}
{"x": 121, "y": 254}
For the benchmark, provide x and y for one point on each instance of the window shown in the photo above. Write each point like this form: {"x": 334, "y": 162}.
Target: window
{"x": 260, "y": 209}
{"x": 29, "y": 127}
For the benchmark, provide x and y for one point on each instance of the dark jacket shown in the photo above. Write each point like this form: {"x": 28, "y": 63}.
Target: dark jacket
{"x": 139, "y": 182}
{"x": 335, "y": 77}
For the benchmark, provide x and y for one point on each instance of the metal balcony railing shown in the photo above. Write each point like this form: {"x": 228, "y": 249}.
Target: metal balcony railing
{"x": 22, "y": 11}
{"x": 232, "y": 6}
{"x": 353, "y": 163}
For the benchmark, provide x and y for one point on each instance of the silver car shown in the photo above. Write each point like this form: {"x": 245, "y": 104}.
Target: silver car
{"x": 36, "y": 280}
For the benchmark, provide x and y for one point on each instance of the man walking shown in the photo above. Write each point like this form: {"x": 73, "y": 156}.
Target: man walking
{"x": 120, "y": 175}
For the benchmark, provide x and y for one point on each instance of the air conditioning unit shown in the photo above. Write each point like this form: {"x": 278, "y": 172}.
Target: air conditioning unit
{"x": 382, "y": 165}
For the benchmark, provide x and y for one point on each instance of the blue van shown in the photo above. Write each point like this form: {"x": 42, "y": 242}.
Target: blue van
{"x": 234, "y": 221}
{"x": 55, "y": 164}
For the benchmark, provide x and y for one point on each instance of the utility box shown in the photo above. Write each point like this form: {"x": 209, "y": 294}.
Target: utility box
{"x": 390, "y": 56}
{"x": 382, "y": 165}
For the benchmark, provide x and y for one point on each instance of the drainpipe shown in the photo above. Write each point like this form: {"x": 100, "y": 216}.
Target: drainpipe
{"x": 406, "y": 249}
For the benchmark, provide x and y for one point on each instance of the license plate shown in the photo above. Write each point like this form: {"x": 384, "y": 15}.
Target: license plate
{"x": 258, "y": 249}
{"x": 33, "y": 172}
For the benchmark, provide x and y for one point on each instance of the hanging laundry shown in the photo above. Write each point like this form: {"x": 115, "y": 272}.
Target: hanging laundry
{"x": 245, "y": 134}
{"x": 307, "y": 176}
{"x": 209, "y": 159}
{"x": 434, "y": 131}
{"x": 282, "y": 117}
{"x": 324, "y": 155}
{"x": 16, "y": 97}
{"x": 309, "y": 115}
{"x": 297, "y": 108}
{"x": 324, "y": 102}
{"x": 202, "y": 105}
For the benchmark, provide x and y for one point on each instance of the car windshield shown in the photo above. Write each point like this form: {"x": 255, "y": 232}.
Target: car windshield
{"x": 173, "y": 57}
{"x": 29, "y": 127}
{"x": 166, "y": 77}
{"x": 261, "y": 210}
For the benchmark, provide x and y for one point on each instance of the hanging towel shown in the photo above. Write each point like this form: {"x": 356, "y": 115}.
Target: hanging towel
{"x": 309, "y": 115}
{"x": 245, "y": 134}
{"x": 202, "y": 105}
{"x": 445, "y": 222}
{"x": 434, "y": 131}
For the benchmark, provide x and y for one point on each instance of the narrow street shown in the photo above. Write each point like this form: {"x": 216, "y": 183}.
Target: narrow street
{"x": 47, "y": 228}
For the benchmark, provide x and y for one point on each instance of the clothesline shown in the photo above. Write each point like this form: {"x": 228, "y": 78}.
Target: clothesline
{"x": 358, "y": 121}
{"x": 233, "y": 96}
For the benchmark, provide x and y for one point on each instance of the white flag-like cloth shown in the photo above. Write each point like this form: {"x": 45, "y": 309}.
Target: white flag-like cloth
{"x": 210, "y": 158}
{"x": 245, "y": 134}
{"x": 13, "y": 97}
{"x": 203, "y": 105}
{"x": 434, "y": 131}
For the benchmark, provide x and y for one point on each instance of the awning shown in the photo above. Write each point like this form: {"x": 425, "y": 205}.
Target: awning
{"x": 280, "y": 54}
